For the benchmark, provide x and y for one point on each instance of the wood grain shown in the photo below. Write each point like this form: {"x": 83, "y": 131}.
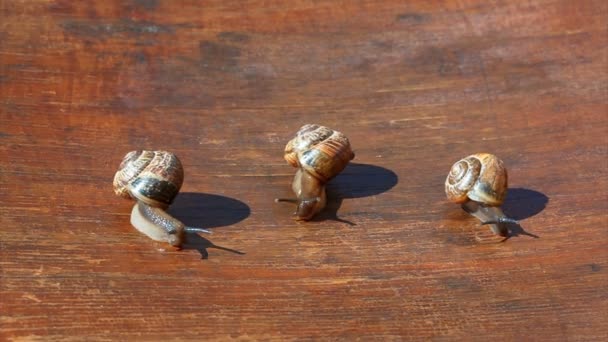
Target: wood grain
{"x": 415, "y": 85}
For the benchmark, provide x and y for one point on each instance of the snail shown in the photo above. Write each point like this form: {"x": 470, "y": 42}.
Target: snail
{"x": 319, "y": 153}
{"x": 153, "y": 179}
{"x": 479, "y": 183}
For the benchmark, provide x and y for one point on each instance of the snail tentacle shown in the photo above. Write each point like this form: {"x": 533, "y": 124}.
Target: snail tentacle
{"x": 197, "y": 230}
{"x": 289, "y": 200}
{"x": 501, "y": 220}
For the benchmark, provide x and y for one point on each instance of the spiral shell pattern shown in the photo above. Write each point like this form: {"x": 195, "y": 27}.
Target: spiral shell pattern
{"x": 319, "y": 150}
{"x": 153, "y": 177}
{"x": 480, "y": 177}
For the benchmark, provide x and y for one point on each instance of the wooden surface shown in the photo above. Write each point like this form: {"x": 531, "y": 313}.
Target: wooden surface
{"x": 415, "y": 85}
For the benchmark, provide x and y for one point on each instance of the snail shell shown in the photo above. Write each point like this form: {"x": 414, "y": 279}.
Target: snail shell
{"x": 480, "y": 177}
{"x": 320, "y": 151}
{"x": 152, "y": 177}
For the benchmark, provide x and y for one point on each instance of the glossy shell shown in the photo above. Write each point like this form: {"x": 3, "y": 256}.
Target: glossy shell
{"x": 319, "y": 150}
{"x": 480, "y": 177}
{"x": 153, "y": 177}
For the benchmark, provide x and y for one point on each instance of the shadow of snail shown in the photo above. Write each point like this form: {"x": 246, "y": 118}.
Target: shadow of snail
{"x": 356, "y": 181}
{"x": 209, "y": 211}
{"x": 521, "y": 204}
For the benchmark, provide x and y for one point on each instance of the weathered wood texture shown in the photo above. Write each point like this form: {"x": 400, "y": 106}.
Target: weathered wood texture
{"x": 416, "y": 85}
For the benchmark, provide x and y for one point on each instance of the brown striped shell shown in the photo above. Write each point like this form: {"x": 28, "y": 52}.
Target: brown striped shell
{"x": 480, "y": 177}
{"x": 319, "y": 150}
{"x": 153, "y": 177}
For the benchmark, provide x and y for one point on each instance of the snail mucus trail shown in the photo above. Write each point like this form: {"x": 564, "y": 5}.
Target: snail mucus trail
{"x": 319, "y": 153}
{"x": 153, "y": 179}
{"x": 479, "y": 184}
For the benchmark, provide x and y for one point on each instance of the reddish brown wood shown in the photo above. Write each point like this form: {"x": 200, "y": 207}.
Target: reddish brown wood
{"x": 415, "y": 85}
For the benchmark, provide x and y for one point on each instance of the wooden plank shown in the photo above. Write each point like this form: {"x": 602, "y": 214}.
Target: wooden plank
{"x": 415, "y": 86}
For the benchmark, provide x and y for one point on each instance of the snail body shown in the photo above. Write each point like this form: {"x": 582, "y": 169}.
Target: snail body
{"x": 153, "y": 179}
{"x": 157, "y": 224}
{"x": 479, "y": 183}
{"x": 319, "y": 153}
